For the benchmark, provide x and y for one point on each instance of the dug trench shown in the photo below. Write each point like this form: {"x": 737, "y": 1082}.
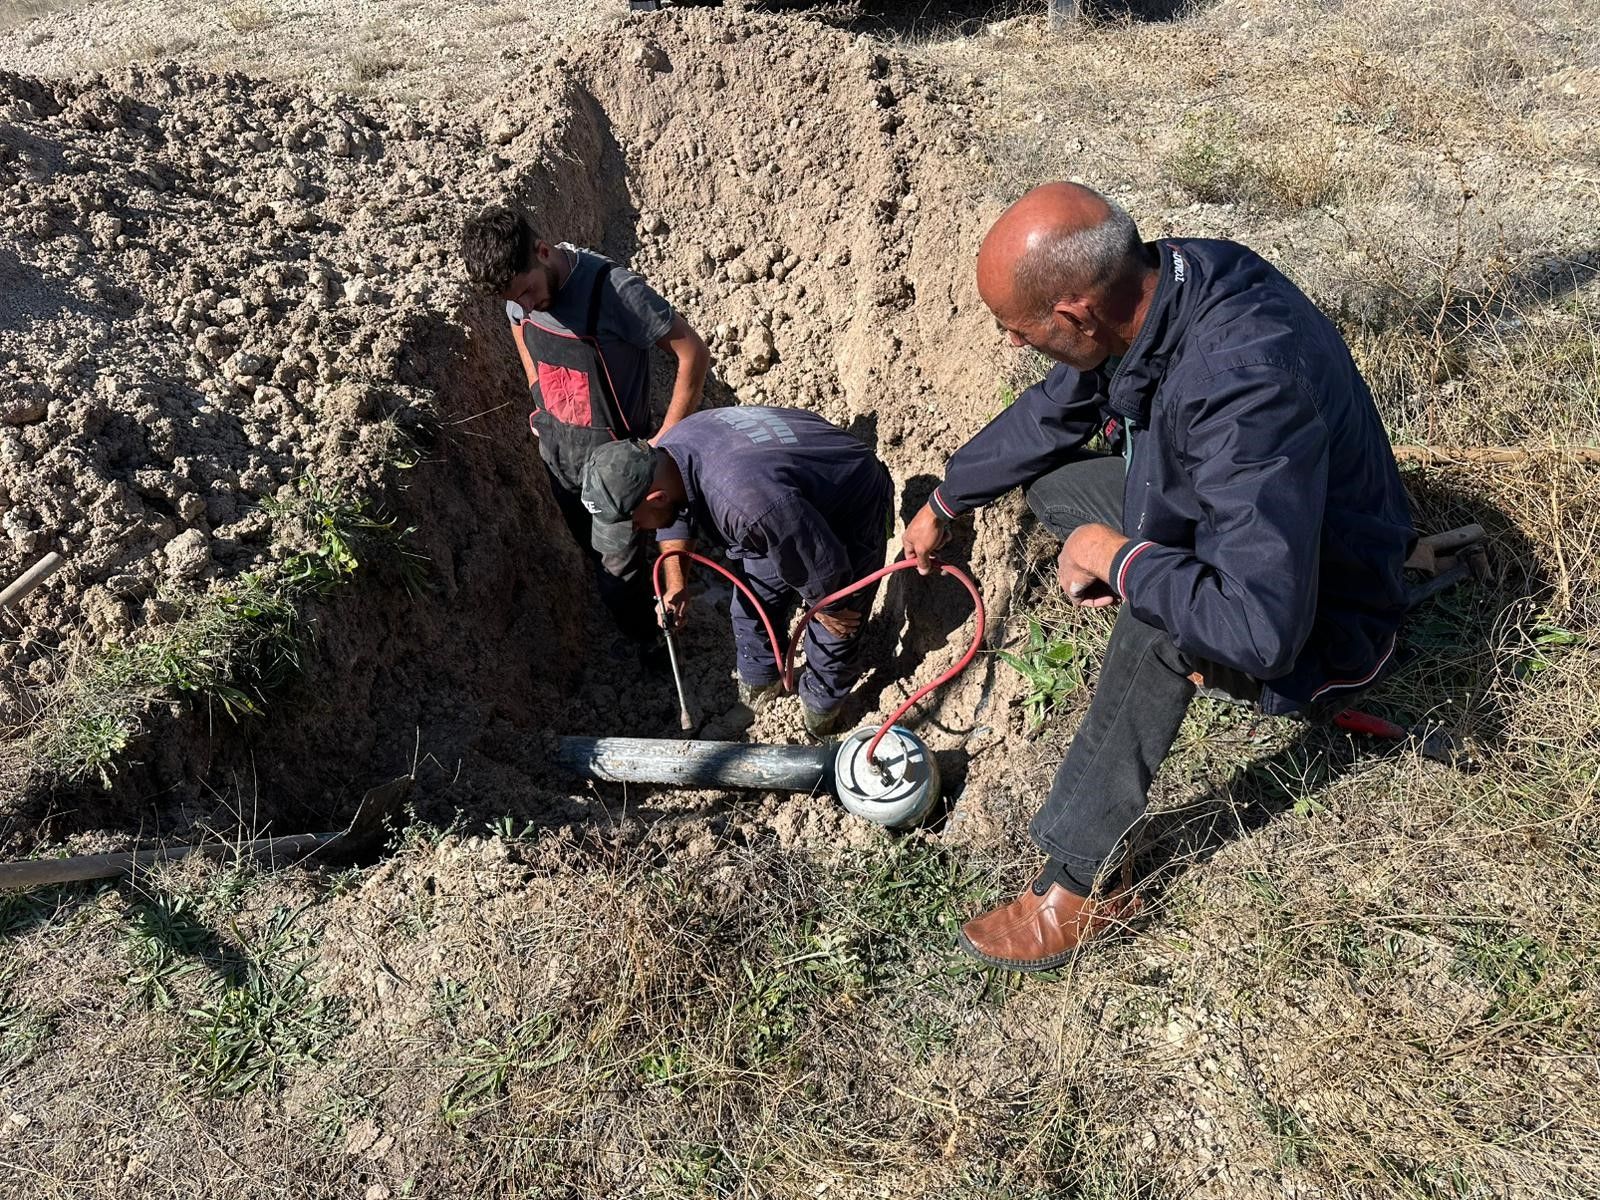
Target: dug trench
{"x": 286, "y": 263}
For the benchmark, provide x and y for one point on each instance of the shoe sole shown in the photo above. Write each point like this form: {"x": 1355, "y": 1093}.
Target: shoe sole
{"x": 1027, "y": 966}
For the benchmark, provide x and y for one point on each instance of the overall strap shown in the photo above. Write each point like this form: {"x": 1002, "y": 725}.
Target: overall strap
{"x": 591, "y": 323}
{"x": 591, "y": 326}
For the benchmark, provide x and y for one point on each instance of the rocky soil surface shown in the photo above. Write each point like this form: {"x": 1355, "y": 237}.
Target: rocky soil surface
{"x": 209, "y": 298}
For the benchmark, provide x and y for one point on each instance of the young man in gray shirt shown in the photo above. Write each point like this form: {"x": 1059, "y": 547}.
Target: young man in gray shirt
{"x": 584, "y": 327}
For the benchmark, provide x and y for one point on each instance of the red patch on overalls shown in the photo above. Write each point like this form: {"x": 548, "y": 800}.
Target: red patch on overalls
{"x": 564, "y": 394}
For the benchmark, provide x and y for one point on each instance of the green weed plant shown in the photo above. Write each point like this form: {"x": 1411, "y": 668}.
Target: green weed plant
{"x": 1052, "y": 667}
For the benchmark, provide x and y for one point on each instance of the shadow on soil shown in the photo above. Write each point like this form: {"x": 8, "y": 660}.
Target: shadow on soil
{"x": 919, "y": 615}
{"x": 924, "y": 20}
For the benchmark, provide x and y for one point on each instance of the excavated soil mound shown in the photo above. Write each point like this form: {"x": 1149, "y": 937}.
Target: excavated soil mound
{"x": 217, "y": 289}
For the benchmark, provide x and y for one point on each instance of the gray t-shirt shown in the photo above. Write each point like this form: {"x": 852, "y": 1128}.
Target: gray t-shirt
{"x": 633, "y": 318}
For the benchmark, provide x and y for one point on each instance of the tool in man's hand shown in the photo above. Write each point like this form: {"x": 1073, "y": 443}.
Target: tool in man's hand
{"x": 366, "y": 831}
{"x": 685, "y": 717}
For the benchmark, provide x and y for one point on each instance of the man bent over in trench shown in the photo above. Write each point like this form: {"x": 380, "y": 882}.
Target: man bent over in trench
{"x": 801, "y": 508}
{"x": 1249, "y": 518}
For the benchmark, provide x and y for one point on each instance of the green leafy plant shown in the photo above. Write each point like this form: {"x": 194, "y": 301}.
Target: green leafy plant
{"x": 1547, "y": 643}
{"x": 163, "y": 941}
{"x": 1529, "y": 979}
{"x": 225, "y": 648}
{"x": 508, "y": 828}
{"x": 447, "y": 998}
{"x": 667, "y": 1064}
{"x": 1292, "y": 1142}
{"x": 1208, "y": 163}
{"x": 768, "y": 1014}
{"x": 23, "y": 1032}
{"x": 696, "y": 1170}
{"x": 486, "y": 1072}
{"x": 1052, "y": 667}
{"x": 333, "y": 1115}
{"x": 335, "y": 531}
{"x": 228, "y": 648}
{"x": 268, "y": 1022}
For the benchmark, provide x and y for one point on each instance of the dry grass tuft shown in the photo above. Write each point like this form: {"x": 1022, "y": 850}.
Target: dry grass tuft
{"x": 1214, "y": 164}
{"x": 247, "y": 17}
{"x": 19, "y": 12}
{"x": 502, "y": 16}
{"x": 368, "y": 64}
{"x": 141, "y": 50}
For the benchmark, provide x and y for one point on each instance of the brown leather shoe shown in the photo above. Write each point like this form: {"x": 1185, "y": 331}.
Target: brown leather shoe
{"x": 1041, "y": 928}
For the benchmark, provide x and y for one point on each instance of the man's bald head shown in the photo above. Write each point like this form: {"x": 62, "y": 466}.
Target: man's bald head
{"x": 1061, "y": 239}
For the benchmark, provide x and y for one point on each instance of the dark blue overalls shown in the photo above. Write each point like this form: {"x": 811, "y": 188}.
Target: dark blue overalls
{"x": 802, "y": 509}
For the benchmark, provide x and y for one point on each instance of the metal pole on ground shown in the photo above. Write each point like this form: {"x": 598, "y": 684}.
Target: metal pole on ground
{"x": 366, "y": 831}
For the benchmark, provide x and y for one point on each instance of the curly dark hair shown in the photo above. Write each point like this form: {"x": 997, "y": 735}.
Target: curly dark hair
{"x": 497, "y": 244}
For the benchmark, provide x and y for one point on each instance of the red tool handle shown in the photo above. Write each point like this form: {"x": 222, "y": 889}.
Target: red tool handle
{"x": 1356, "y": 721}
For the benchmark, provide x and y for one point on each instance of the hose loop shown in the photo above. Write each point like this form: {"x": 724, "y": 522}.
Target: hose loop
{"x": 785, "y": 658}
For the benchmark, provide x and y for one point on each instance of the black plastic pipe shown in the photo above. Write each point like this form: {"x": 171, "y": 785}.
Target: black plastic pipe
{"x": 698, "y": 764}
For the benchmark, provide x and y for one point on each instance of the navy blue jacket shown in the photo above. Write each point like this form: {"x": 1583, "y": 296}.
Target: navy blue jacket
{"x": 779, "y": 485}
{"x": 1266, "y": 519}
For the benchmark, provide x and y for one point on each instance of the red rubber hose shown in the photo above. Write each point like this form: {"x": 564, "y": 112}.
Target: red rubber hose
{"x": 785, "y": 658}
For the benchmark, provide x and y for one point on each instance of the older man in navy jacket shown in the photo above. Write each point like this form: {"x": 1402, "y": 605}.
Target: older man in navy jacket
{"x": 1247, "y": 514}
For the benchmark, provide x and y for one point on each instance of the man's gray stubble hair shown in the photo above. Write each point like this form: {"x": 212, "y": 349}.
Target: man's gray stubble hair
{"x": 1081, "y": 262}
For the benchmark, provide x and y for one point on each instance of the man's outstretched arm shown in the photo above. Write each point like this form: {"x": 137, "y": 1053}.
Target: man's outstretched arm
{"x": 1054, "y": 416}
{"x": 689, "y": 348}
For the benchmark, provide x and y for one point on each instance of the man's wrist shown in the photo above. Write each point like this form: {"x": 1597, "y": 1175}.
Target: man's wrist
{"x": 1096, "y": 549}
{"x": 940, "y": 507}
{"x": 1127, "y": 554}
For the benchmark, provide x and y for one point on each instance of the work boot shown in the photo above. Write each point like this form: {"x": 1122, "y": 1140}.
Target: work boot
{"x": 757, "y": 696}
{"x": 1042, "y": 928}
{"x": 820, "y": 724}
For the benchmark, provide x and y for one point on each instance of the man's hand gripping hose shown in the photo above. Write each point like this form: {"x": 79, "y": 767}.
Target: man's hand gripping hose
{"x": 785, "y": 657}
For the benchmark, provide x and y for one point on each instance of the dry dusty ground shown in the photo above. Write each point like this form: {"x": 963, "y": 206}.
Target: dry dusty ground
{"x": 242, "y": 388}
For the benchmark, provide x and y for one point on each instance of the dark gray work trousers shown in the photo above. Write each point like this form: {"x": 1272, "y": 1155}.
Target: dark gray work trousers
{"x": 833, "y": 664}
{"x": 1101, "y": 788}
{"x": 623, "y": 581}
